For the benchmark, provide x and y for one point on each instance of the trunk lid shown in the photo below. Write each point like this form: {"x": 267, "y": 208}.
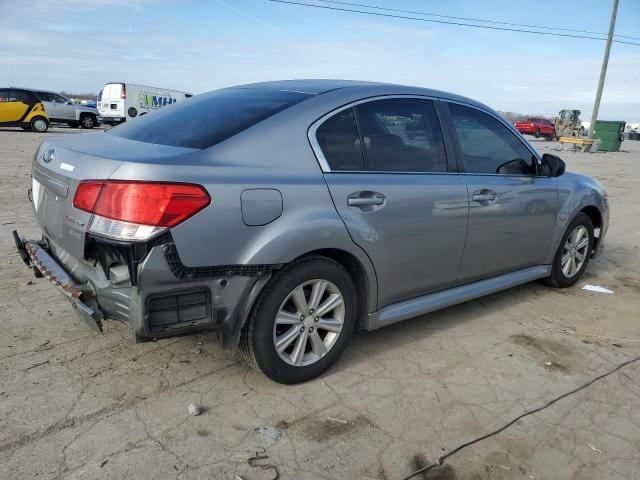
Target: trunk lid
{"x": 61, "y": 163}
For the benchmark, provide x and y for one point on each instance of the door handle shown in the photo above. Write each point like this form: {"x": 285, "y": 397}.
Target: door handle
{"x": 484, "y": 196}
{"x": 365, "y": 201}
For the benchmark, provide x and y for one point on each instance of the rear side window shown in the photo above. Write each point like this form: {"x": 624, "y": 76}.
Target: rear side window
{"x": 339, "y": 140}
{"x": 401, "y": 135}
{"x": 208, "y": 119}
{"x": 487, "y": 145}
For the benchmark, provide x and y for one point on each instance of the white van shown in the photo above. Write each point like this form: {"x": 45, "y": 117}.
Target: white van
{"x": 120, "y": 102}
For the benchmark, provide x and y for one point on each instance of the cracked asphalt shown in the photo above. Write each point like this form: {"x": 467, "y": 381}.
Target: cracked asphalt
{"x": 74, "y": 404}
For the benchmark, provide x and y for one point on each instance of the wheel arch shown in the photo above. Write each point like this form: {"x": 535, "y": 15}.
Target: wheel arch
{"x": 596, "y": 218}
{"x": 366, "y": 288}
{"x": 357, "y": 272}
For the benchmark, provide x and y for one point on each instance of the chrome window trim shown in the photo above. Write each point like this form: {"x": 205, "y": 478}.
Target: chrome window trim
{"x": 326, "y": 168}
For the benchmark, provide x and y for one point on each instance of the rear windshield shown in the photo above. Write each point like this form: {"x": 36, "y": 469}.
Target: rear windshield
{"x": 204, "y": 120}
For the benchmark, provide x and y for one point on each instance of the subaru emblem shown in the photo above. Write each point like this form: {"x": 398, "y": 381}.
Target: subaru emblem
{"x": 48, "y": 155}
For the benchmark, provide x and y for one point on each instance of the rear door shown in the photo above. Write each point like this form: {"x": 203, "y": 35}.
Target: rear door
{"x": 386, "y": 167}
{"x": 512, "y": 211}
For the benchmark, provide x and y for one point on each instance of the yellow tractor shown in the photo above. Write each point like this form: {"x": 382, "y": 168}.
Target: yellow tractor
{"x": 568, "y": 124}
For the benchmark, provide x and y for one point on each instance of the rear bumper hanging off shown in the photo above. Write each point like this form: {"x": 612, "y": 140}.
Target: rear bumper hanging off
{"x": 34, "y": 254}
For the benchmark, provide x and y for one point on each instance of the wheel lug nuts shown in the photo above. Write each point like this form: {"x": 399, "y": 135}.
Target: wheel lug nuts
{"x": 311, "y": 311}
{"x": 310, "y": 329}
{"x": 317, "y": 319}
{"x": 302, "y": 329}
{"x": 302, "y": 318}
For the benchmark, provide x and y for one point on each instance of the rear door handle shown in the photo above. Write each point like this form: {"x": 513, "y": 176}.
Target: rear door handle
{"x": 484, "y": 196}
{"x": 364, "y": 201}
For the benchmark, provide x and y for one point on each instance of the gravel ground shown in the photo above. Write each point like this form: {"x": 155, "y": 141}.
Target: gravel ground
{"x": 74, "y": 404}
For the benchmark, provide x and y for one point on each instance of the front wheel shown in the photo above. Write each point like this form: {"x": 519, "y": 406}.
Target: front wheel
{"x": 537, "y": 134}
{"x": 574, "y": 253}
{"x": 39, "y": 124}
{"x": 302, "y": 321}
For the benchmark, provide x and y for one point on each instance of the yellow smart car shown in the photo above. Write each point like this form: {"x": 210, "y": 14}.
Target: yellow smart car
{"x": 21, "y": 108}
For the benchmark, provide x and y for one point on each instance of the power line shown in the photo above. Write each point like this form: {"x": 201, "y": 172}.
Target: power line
{"x": 419, "y": 12}
{"x": 446, "y": 22}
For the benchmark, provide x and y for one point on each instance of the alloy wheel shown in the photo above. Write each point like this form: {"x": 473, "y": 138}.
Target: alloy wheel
{"x": 309, "y": 322}
{"x": 39, "y": 125}
{"x": 575, "y": 251}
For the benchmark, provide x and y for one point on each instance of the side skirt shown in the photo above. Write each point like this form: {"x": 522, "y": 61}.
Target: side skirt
{"x": 446, "y": 298}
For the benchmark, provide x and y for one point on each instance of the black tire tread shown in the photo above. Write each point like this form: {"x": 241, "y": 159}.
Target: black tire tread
{"x": 553, "y": 280}
{"x": 245, "y": 345}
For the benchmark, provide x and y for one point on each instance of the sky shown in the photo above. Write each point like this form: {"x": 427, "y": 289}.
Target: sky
{"x": 197, "y": 46}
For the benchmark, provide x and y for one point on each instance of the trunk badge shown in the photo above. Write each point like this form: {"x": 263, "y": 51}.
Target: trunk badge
{"x": 48, "y": 155}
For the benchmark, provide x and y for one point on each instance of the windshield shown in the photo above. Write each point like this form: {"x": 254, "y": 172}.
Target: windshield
{"x": 204, "y": 120}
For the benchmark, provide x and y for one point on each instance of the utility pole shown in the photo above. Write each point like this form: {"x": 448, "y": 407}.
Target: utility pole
{"x": 603, "y": 71}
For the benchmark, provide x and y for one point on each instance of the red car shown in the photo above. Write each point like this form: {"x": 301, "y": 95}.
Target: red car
{"x": 538, "y": 127}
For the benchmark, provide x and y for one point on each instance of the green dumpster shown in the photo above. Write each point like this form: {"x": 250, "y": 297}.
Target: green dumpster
{"x": 610, "y": 134}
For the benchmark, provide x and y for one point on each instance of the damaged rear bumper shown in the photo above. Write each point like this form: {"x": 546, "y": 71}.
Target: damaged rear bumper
{"x": 82, "y": 297}
{"x": 154, "y": 293}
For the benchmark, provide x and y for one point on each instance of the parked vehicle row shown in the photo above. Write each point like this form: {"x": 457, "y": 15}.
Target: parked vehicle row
{"x": 35, "y": 109}
{"x": 285, "y": 215}
{"x": 115, "y": 104}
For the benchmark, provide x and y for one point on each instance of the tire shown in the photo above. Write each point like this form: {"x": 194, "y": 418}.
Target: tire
{"x": 537, "y": 134}
{"x": 73, "y": 124}
{"x": 87, "y": 121}
{"x": 298, "y": 360}
{"x": 559, "y": 278}
{"x": 39, "y": 124}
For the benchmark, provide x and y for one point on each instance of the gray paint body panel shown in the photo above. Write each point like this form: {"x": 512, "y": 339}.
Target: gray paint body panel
{"x": 409, "y": 249}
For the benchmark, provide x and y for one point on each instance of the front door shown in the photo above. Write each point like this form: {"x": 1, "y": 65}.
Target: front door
{"x": 390, "y": 183}
{"x": 64, "y": 110}
{"x": 14, "y": 106}
{"x": 512, "y": 210}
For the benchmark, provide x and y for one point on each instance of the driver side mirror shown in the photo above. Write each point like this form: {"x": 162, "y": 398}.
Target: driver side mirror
{"x": 552, "y": 165}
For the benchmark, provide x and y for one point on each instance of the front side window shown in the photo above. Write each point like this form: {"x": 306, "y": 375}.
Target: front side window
{"x": 401, "y": 135}
{"x": 487, "y": 146}
{"x": 209, "y": 118}
{"x": 340, "y": 143}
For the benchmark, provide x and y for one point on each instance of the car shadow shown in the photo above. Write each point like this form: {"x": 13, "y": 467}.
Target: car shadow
{"x": 414, "y": 331}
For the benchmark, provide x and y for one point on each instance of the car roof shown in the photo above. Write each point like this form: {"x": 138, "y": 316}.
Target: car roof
{"x": 320, "y": 86}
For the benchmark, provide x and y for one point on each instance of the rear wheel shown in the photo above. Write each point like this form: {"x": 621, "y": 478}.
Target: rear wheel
{"x": 574, "y": 253}
{"x": 537, "y": 134}
{"x": 302, "y": 321}
{"x": 39, "y": 124}
{"x": 87, "y": 121}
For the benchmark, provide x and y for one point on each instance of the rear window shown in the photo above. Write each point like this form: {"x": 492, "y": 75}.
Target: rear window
{"x": 112, "y": 90}
{"x": 204, "y": 120}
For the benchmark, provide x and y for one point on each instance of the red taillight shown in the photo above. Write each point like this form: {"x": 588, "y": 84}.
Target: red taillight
{"x": 145, "y": 203}
{"x": 87, "y": 194}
